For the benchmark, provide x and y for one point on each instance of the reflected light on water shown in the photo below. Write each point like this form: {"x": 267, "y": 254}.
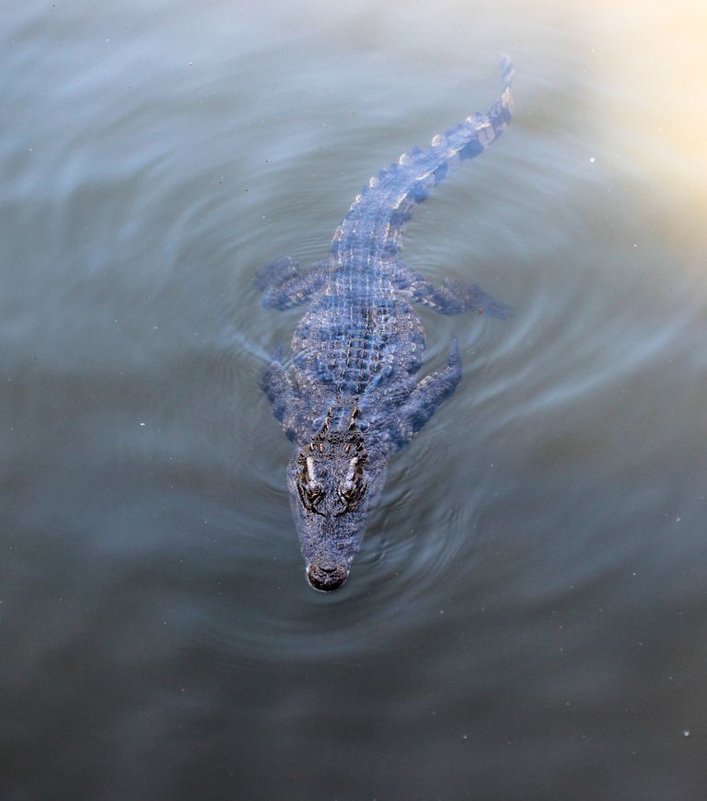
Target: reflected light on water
{"x": 654, "y": 56}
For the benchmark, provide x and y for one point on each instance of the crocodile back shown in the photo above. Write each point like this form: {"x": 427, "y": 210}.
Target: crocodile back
{"x": 357, "y": 337}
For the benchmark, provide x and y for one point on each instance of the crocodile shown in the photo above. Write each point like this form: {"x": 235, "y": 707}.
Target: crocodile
{"x": 349, "y": 398}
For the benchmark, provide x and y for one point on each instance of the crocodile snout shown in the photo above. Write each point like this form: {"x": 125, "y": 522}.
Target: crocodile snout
{"x": 326, "y": 575}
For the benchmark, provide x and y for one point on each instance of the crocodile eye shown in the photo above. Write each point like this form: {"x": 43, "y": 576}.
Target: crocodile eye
{"x": 310, "y": 494}
{"x": 313, "y": 492}
{"x": 350, "y": 499}
{"x": 353, "y": 488}
{"x": 350, "y": 491}
{"x": 308, "y": 487}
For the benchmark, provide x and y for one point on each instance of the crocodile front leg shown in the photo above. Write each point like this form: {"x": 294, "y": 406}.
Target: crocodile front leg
{"x": 283, "y": 395}
{"x": 284, "y": 286}
{"x": 426, "y": 397}
{"x": 453, "y": 297}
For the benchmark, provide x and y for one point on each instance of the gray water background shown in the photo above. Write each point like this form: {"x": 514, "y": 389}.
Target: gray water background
{"x": 528, "y": 616}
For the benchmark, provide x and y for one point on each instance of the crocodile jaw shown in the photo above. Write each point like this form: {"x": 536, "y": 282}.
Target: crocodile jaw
{"x": 330, "y": 539}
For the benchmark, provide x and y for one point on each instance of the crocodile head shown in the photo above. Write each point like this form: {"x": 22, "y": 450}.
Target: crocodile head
{"x": 332, "y": 482}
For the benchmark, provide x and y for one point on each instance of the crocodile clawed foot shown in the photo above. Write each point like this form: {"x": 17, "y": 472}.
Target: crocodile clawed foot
{"x": 475, "y": 299}
{"x": 275, "y": 273}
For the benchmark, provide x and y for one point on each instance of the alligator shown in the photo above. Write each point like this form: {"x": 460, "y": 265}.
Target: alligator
{"x": 349, "y": 398}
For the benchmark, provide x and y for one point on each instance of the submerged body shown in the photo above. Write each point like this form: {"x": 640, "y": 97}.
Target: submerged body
{"x": 350, "y": 397}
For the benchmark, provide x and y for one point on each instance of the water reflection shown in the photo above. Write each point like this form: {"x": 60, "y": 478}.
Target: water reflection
{"x": 651, "y": 59}
{"x": 531, "y": 591}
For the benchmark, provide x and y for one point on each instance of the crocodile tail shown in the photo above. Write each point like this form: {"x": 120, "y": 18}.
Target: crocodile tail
{"x": 420, "y": 170}
{"x": 409, "y": 181}
{"x": 427, "y": 167}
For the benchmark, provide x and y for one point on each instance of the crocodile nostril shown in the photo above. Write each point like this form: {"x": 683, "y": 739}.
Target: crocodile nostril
{"x": 326, "y": 575}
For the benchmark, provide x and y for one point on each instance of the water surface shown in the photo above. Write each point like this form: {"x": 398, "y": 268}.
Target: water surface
{"x": 527, "y": 617}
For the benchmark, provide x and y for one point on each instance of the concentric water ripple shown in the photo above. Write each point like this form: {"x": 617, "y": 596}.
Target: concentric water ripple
{"x": 527, "y": 612}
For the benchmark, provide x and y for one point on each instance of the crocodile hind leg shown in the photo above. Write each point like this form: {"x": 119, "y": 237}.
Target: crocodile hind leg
{"x": 453, "y": 297}
{"x": 426, "y": 397}
{"x": 284, "y": 286}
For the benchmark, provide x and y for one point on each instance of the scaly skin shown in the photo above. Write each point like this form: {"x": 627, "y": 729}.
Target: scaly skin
{"x": 350, "y": 398}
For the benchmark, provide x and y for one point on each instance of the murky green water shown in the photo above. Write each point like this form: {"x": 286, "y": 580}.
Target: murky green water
{"x": 528, "y": 617}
